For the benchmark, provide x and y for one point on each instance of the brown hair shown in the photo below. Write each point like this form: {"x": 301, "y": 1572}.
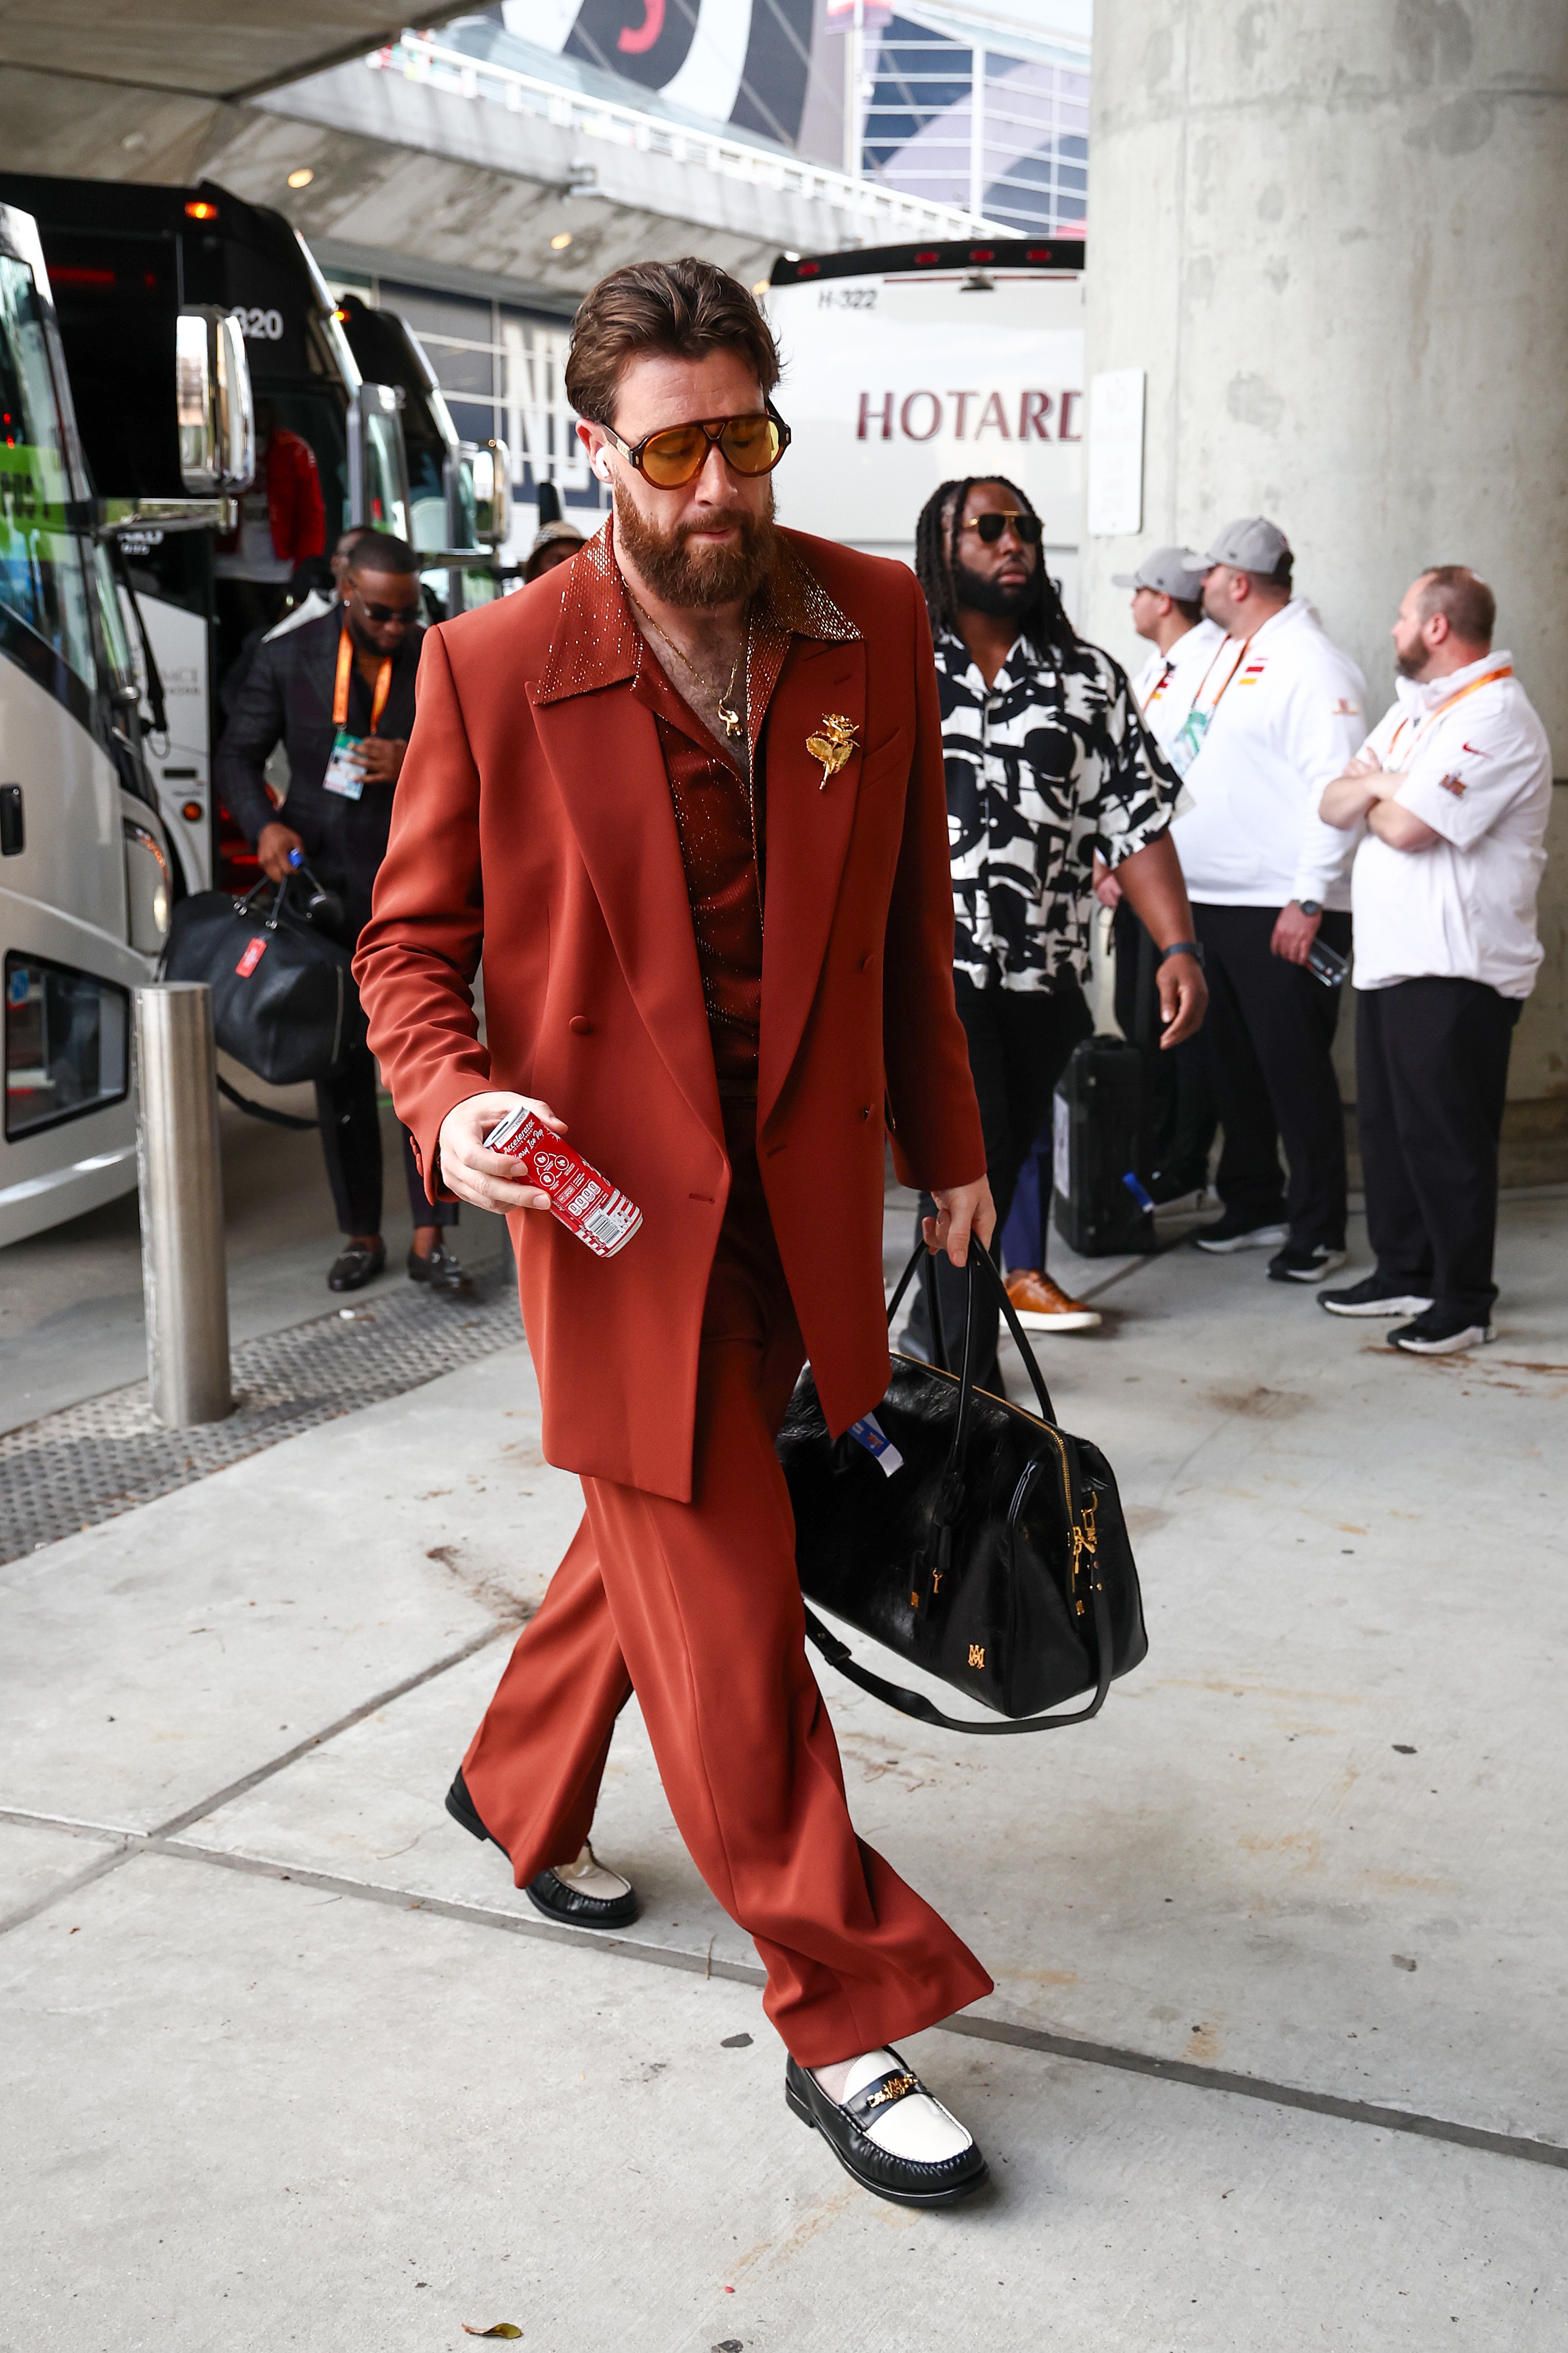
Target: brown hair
{"x": 685, "y": 309}
{"x": 1463, "y": 597}
{"x": 1191, "y": 608}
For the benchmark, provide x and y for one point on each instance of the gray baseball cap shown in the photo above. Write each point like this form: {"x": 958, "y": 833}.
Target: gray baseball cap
{"x": 1170, "y": 571}
{"x": 552, "y": 532}
{"x": 1251, "y": 544}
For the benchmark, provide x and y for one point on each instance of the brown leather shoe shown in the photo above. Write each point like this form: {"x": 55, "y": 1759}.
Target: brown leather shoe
{"x": 1042, "y": 1305}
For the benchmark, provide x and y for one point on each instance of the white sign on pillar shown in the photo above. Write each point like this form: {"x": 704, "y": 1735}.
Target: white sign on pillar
{"x": 1116, "y": 454}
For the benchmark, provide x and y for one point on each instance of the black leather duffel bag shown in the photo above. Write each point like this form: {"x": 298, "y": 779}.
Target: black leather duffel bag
{"x": 996, "y": 1557}
{"x": 283, "y": 1002}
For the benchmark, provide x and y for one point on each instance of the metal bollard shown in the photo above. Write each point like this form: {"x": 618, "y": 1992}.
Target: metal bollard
{"x": 185, "y": 1274}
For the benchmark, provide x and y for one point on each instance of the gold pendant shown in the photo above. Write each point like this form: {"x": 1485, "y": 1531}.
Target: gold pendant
{"x": 832, "y": 745}
{"x": 731, "y": 716}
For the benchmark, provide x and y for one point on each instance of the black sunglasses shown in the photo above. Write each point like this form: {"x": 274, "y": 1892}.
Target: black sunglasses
{"x": 992, "y": 526}
{"x": 677, "y": 454}
{"x": 405, "y": 613}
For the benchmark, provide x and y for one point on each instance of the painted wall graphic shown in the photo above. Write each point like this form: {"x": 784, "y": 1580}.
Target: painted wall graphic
{"x": 745, "y": 62}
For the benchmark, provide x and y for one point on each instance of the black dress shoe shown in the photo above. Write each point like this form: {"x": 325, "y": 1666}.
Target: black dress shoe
{"x": 554, "y": 1894}
{"x": 356, "y": 1264}
{"x": 901, "y": 2178}
{"x": 443, "y": 1270}
{"x": 462, "y": 1808}
{"x": 551, "y": 1894}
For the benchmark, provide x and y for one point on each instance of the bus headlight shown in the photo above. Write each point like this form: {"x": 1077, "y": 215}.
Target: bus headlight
{"x": 147, "y": 895}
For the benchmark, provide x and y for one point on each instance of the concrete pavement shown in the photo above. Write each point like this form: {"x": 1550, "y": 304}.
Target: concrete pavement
{"x": 291, "y": 2063}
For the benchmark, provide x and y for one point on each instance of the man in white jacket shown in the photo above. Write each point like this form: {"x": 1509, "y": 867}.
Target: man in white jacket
{"x": 1448, "y": 803}
{"x": 1276, "y": 717}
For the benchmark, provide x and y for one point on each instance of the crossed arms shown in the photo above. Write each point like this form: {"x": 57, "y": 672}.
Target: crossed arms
{"x": 1365, "y": 792}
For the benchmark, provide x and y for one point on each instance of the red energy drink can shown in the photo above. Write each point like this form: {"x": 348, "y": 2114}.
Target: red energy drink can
{"x": 587, "y": 1204}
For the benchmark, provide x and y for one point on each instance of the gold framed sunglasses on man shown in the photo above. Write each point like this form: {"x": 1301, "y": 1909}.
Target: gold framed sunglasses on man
{"x": 750, "y": 444}
{"x": 992, "y": 526}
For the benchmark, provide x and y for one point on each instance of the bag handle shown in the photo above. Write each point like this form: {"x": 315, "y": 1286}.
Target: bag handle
{"x": 1010, "y": 1313}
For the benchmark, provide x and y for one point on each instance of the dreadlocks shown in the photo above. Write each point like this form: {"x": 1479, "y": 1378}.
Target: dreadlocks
{"x": 1042, "y": 621}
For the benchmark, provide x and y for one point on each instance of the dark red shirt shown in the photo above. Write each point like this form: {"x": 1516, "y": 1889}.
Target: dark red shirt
{"x": 720, "y": 816}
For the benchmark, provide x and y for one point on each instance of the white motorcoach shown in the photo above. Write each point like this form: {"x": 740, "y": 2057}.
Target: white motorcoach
{"x": 123, "y": 261}
{"x": 85, "y": 865}
{"x": 907, "y": 365}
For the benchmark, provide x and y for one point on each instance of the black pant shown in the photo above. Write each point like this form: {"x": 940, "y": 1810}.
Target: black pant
{"x": 350, "y": 1142}
{"x": 1182, "y": 1114}
{"x": 1019, "y": 1044}
{"x": 1431, "y": 1079}
{"x": 1269, "y": 1037}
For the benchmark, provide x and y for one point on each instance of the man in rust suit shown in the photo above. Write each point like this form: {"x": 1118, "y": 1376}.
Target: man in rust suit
{"x": 722, "y": 965}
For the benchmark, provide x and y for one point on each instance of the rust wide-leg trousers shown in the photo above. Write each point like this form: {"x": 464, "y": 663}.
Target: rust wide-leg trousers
{"x": 697, "y": 1607}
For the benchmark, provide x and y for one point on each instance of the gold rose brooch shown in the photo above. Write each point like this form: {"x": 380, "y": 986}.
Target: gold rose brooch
{"x": 832, "y": 745}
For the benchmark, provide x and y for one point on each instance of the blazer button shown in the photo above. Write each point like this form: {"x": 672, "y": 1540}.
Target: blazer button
{"x": 865, "y": 964}
{"x": 864, "y": 1111}
{"x": 580, "y": 1026}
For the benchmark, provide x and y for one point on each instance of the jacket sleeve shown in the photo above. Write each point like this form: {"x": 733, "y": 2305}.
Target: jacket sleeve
{"x": 934, "y": 1117}
{"x": 258, "y": 725}
{"x": 418, "y": 954}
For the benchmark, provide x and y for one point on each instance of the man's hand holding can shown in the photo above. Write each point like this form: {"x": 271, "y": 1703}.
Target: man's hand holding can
{"x": 488, "y": 1179}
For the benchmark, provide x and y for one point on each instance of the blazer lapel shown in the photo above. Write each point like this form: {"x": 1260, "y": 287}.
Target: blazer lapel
{"x": 604, "y": 752}
{"x": 808, "y": 828}
{"x": 318, "y": 660}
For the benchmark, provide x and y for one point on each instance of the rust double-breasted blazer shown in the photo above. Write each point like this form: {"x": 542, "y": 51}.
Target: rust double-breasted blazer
{"x": 533, "y": 824}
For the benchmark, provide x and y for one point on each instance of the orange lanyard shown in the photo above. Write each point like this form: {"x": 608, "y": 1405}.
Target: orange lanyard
{"x": 1448, "y": 703}
{"x": 1236, "y": 665}
{"x": 340, "y": 692}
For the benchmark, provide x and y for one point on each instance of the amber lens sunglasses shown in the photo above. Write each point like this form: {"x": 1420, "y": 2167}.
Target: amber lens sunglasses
{"x": 992, "y": 526}
{"x": 677, "y": 455}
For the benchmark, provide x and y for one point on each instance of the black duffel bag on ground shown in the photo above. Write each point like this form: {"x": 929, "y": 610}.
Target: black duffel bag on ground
{"x": 283, "y": 999}
{"x": 995, "y": 1558}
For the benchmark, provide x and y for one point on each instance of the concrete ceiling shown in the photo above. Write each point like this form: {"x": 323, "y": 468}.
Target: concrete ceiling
{"x": 406, "y": 179}
{"x": 179, "y": 49}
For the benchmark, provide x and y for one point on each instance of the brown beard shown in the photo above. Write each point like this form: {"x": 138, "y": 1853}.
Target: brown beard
{"x": 717, "y": 576}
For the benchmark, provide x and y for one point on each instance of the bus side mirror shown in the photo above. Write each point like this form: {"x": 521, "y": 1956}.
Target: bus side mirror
{"x": 493, "y": 493}
{"x": 213, "y": 412}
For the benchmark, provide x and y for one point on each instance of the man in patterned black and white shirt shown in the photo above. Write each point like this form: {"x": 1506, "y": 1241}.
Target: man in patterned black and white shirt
{"x": 1046, "y": 762}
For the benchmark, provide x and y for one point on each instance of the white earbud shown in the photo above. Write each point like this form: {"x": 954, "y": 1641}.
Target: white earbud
{"x": 602, "y": 466}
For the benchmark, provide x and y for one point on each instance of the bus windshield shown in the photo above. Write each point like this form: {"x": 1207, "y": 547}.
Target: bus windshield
{"x": 41, "y": 579}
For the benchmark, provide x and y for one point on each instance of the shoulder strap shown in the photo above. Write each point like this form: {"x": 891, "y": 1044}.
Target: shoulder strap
{"x": 912, "y": 1702}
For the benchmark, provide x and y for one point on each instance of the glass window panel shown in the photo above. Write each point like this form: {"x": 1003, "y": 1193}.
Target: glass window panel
{"x": 41, "y": 577}
{"x": 66, "y": 1044}
{"x": 383, "y": 500}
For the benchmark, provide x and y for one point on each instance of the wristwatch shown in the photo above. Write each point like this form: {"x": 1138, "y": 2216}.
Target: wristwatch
{"x": 1311, "y": 906}
{"x": 1182, "y": 948}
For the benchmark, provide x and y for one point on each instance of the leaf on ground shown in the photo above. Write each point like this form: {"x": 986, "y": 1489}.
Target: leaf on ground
{"x": 501, "y": 2328}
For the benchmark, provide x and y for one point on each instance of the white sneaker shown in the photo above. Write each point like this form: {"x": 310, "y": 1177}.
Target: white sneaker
{"x": 1429, "y": 1337}
{"x": 1224, "y": 1237}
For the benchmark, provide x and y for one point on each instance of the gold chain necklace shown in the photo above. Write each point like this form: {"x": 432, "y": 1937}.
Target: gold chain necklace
{"x": 725, "y": 702}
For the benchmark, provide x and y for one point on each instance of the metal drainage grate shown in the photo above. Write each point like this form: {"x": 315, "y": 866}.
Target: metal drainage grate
{"x": 73, "y": 1469}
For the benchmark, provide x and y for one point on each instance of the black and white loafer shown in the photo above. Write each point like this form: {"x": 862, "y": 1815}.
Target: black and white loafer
{"x": 583, "y": 1893}
{"x": 848, "y": 2129}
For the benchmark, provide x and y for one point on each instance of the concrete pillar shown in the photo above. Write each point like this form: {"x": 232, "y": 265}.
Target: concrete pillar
{"x": 1331, "y": 231}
